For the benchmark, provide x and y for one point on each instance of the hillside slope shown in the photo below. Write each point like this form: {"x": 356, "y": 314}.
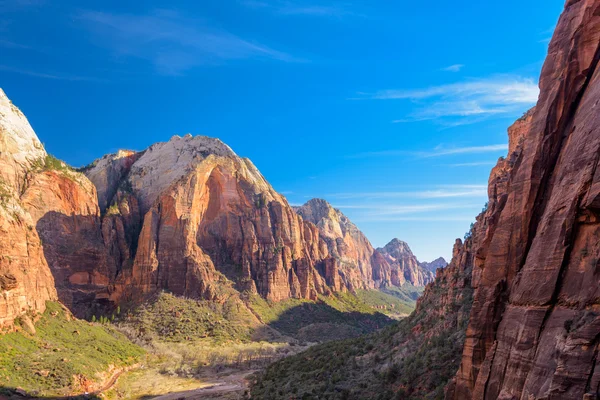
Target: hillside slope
{"x": 413, "y": 359}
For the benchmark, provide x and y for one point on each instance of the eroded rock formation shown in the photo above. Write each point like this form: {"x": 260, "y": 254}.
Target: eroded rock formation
{"x": 404, "y": 266}
{"x": 534, "y": 329}
{"x": 25, "y": 279}
{"x": 359, "y": 263}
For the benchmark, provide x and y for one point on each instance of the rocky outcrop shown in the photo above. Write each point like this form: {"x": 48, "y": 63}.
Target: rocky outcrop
{"x": 534, "y": 328}
{"x": 404, "y": 266}
{"x": 25, "y": 279}
{"x": 350, "y": 248}
{"x": 434, "y": 265}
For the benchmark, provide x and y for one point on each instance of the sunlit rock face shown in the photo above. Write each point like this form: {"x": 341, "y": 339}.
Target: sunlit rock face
{"x": 25, "y": 279}
{"x": 404, "y": 266}
{"x": 204, "y": 219}
{"x": 347, "y": 245}
{"x": 535, "y": 321}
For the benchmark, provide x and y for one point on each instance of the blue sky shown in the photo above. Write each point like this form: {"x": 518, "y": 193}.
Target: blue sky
{"x": 394, "y": 111}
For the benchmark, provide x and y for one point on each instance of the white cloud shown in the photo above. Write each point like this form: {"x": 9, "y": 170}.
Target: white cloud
{"x": 465, "y": 102}
{"x": 443, "y": 151}
{"x": 437, "y": 152}
{"x": 450, "y": 191}
{"x": 473, "y": 164}
{"x": 453, "y": 68}
{"x": 45, "y": 75}
{"x": 172, "y": 42}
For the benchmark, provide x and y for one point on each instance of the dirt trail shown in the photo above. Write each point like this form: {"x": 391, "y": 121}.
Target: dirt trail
{"x": 227, "y": 384}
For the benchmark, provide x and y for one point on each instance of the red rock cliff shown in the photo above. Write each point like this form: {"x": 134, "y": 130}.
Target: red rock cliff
{"x": 534, "y": 328}
{"x": 191, "y": 217}
{"x": 25, "y": 279}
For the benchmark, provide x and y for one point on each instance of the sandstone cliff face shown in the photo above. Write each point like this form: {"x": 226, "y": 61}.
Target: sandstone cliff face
{"x": 203, "y": 218}
{"x": 25, "y": 279}
{"x": 352, "y": 251}
{"x": 535, "y": 323}
{"x": 404, "y": 266}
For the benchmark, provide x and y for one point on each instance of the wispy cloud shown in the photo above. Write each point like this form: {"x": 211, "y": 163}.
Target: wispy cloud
{"x": 389, "y": 210}
{"x": 444, "y": 151}
{"x": 442, "y": 192}
{"x": 422, "y": 218}
{"x": 7, "y": 44}
{"x": 472, "y": 164}
{"x": 45, "y": 75}
{"x": 465, "y": 102}
{"x": 453, "y": 68}
{"x": 439, "y": 151}
{"x": 290, "y": 8}
{"x": 171, "y": 41}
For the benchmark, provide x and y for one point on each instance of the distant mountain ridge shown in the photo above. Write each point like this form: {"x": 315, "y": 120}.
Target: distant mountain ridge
{"x": 392, "y": 265}
{"x": 404, "y": 266}
{"x": 435, "y": 264}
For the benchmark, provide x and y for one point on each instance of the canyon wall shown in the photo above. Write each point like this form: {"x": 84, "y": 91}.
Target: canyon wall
{"x": 534, "y": 328}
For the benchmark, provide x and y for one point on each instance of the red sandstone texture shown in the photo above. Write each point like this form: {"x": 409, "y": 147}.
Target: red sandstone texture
{"x": 534, "y": 328}
{"x": 25, "y": 279}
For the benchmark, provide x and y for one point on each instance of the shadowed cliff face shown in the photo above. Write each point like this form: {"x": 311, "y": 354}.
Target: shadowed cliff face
{"x": 534, "y": 329}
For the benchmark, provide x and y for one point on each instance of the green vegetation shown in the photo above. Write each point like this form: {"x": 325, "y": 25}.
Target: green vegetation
{"x": 113, "y": 209}
{"x": 62, "y": 352}
{"x": 175, "y": 319}
{"x": 394, "y": 302}
{"x": 5, "y": 193}
{"x": 51, "y": 163}
{"x": 260, "y": 200}
{"x": 339, "y": 316}
{"x": 413, "y": 359}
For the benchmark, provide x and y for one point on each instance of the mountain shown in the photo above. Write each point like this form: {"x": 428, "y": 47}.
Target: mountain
{"x": 350, "y": 248}
{"x": 434, "y": 265}
{"x": 516, "y": 312}
{"x": 404, "y": 266}
{"x": 26, "y": 282}
{"x": 187, "y": 216}
{"x": 363, "y": 265}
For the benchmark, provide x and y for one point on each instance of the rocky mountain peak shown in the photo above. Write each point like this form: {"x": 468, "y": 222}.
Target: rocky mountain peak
{"x": 315, "y": 210}
{"x": 19, "y": 145}
{"x": 396, "y": 247}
